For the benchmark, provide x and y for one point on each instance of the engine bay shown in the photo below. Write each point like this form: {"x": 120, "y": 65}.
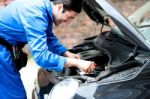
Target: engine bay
{"x": 111, "y": 57}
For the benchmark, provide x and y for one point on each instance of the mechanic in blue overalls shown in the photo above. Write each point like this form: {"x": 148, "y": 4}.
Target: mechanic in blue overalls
{"x": 31, "y": 21}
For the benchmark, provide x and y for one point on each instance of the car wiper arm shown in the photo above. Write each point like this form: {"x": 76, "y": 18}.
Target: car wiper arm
{"x": 143, "y": 26}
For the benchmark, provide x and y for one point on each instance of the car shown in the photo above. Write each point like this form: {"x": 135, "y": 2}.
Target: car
{"x": 122, "y": 55}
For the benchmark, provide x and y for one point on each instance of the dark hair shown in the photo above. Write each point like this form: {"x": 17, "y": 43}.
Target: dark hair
{"x": 75, "y": 5}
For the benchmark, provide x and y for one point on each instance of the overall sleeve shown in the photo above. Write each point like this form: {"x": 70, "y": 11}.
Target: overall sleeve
{"x": 54, "y": 44}
{"x": 35, "y": 22}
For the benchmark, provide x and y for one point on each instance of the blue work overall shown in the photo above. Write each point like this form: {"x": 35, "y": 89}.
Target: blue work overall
{"x": 29, "y": 21}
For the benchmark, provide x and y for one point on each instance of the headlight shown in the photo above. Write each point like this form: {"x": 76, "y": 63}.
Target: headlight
{"x": 64, "y": 90}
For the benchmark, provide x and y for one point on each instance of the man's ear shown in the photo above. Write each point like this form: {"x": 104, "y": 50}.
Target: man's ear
{"x": 60, "y": 7}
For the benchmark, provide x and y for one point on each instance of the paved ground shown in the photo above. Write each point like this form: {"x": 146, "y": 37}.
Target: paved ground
{"x": 28, "y": 75}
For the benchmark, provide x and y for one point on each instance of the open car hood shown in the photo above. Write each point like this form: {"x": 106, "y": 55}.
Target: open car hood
{"x": 100, "y": 10}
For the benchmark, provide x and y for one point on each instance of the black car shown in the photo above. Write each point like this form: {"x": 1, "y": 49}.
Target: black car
{"x": 122, "y": 55}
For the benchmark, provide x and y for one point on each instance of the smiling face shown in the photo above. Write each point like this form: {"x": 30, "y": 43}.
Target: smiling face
{"x": 63, "y": 16}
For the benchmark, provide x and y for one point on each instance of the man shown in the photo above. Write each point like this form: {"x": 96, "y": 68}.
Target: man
{"x": 31, "y": 21}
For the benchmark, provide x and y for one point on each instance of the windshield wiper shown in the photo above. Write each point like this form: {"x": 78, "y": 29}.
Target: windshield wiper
{"x": 143, "y": 26}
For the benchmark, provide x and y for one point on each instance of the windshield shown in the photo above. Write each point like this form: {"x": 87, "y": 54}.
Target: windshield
{"x": 143, "y": 20}
{"x": 138, "y": 13}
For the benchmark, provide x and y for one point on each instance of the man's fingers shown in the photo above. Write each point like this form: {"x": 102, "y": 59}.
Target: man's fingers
{"x": 91, "y": 68}
{"x": 77, "y": 56}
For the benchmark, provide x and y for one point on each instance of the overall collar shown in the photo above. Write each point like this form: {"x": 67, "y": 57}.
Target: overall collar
{"x": 49, "y": 8}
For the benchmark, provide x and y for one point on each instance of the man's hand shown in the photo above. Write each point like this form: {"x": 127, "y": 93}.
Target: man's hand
{"x": 82, "y": 65}
{"x": 86, "y": 66}
{"x": 91, "y": 67}
{"x": 74, "y": 60}
{"x": 71, "y": 55}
